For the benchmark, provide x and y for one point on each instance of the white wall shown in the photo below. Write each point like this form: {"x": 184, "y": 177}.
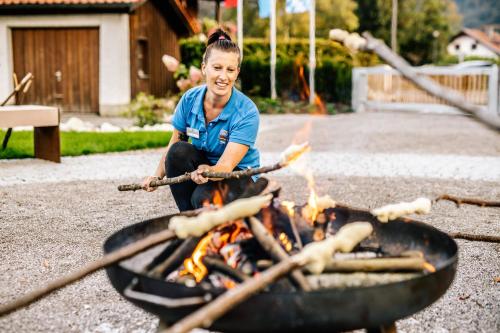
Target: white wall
{"x": 465, "y": 48}
{"x": 114, "y": 52}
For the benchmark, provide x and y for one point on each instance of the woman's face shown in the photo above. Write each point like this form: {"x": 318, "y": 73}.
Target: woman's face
{"x": 221, "y": 71}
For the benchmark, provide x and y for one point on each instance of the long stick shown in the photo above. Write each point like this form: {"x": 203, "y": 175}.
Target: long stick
{"x": 376, "y": 265}
{"x": 275, "y": 250}
{"x": 187, "y": 176}
{"x": 469, "y": 201}
{"x": 107, "y": 260}
{"x": 475, "y": 238}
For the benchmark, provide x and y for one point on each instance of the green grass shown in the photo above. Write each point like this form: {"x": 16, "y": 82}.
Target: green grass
{"x": 84, "y": 143}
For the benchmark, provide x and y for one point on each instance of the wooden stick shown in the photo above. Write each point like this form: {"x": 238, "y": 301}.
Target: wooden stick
{"x": 358, "y": 279}
{"x": 376, "y": 265}
{"x": 107, "y": 260}
{"x": 220, "y": 175}
{"x": 176, "y": 258}
{"x": 469, "y": 201}
{"x": 275, "y": 250}
{"x": 345, "y": 240}
{"x": 221, "y": 266}
{"x": 475, "y": 238}
{"x": 205, "y": 316}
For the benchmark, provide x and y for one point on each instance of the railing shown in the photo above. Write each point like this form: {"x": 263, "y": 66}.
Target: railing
{"x": 383, "y": 88}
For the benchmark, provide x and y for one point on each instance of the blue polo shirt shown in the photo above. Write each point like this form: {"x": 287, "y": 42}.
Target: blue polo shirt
{"x": 238, "y": 122}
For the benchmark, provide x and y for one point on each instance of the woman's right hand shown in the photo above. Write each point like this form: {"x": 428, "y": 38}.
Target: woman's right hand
{"x": 147, "y": 181}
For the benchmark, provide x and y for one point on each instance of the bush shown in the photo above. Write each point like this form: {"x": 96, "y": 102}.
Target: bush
{"x": 334, "y": 64}
{"x": 150, "y": 110}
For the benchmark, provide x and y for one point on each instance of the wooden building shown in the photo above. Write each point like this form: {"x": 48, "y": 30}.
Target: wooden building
{"x": 92, "y": 55}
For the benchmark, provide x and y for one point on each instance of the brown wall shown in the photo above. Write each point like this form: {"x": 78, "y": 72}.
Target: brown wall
{"x": 149, "y": 27}
{"x": 65, "y": 65}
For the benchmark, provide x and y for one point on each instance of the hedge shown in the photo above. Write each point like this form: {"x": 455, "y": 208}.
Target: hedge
{"x": 333, "y": 67}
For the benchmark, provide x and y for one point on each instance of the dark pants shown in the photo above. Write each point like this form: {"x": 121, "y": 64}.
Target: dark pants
{"x": 183, "y": 157}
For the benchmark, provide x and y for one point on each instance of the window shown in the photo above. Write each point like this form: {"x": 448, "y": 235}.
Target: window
{"x": 457, "y": 47}
{"x": 142, "y": 58}
{"x": 474, "y": 46}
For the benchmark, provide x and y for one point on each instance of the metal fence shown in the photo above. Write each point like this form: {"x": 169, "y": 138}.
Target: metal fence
{"x": 383, "y": 88}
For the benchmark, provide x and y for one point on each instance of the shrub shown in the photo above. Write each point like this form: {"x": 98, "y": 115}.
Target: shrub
{"x": 150, "y": 110}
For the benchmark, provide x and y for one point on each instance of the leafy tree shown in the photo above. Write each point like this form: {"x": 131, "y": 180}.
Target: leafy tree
{"x": 424, "y": 26}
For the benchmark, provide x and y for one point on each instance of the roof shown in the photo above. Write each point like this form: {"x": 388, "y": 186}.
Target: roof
{"x": 492, "y": 43}
{"x": 178, "y": 6}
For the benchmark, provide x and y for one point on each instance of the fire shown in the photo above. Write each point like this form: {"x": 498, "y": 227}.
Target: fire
{"x": 285, "y": 241}
{"x": 428, "y": 267}
{"x": 218, "y": 196}
{"x": 305, "y": 92}
{"x": 289, "y": 205}
{"x": 217, "y": 241}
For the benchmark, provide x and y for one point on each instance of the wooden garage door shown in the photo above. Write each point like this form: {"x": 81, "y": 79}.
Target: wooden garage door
{"x": 65, "y": 63}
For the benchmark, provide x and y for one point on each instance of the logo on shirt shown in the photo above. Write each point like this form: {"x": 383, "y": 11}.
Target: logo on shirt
{"x": 223, "y": 134}
{"x": 193, "y": 132}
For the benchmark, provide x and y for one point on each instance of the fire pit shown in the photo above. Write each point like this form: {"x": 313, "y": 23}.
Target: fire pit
{"x": 283, "y": 307}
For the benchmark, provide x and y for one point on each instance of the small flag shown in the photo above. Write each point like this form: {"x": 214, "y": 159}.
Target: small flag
{"x": 230, "y": 3}
{"x": 264, "y": 8}
{"x": 297, "y": 6}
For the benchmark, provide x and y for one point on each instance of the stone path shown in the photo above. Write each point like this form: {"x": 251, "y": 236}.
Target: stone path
{"x": 140, "y": 164}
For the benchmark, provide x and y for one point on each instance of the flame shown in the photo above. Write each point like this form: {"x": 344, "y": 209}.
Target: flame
{"x": 214, "y": 242}
{"x": 305, "y": 92}
{"x": 217, "y": 199}
{"x": 428, "y": 267}
{"x": 289, "y": 205}
{"x": 285, "y": 241}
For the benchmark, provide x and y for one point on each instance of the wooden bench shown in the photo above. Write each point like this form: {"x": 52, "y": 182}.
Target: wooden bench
{"x": 44, "y": 119}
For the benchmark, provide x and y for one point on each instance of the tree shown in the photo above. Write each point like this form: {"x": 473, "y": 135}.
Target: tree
{"x": 424, "y": 26}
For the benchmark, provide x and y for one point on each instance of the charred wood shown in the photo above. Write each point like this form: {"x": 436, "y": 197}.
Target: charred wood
{"x": 221, "y": 267}
{"x": 275, "y": 250}
{"x": 175, "y": 259}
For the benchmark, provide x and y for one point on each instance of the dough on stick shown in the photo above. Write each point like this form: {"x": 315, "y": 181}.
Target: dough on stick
{"x": 391, "y": 212}
{"x": 196, "y": 226}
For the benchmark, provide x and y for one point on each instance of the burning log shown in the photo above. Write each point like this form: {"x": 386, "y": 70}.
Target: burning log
{"x": 221, "y": 266}
{"x": 175, "y": 259}
{"x": 315, "y": 256}
{"x": 291, "y": 154}
{"x": 107, "y": 260}
{"x": 275, "y": 250}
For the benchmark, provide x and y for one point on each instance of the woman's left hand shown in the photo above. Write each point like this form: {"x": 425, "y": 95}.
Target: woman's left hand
{"x": 196, "y": 174}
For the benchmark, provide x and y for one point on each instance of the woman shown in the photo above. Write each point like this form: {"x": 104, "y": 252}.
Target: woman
{"x": 221, "y": 123}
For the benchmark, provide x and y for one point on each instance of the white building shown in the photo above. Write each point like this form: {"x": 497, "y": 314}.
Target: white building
{"x": 474, "y": 42}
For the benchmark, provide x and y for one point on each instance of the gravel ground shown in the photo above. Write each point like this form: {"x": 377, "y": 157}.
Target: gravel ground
{"x": 46, "y": 228}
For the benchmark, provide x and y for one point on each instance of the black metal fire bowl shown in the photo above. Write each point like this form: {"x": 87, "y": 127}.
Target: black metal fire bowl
{"x": 319, "y": 311}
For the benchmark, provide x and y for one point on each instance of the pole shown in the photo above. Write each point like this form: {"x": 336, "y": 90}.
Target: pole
{"x": 312, "y": 50}
{"x": 273, "y": 49}
{"x": 394, "y": 26}
{"x": 239, "y": 19}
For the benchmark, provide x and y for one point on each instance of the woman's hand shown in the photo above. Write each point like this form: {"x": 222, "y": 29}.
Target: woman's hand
{"x": 147, "y": 181}
{"x": 196, "y": 174}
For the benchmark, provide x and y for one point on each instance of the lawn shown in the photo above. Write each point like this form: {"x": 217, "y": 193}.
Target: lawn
{"x": 84, "y": 143}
